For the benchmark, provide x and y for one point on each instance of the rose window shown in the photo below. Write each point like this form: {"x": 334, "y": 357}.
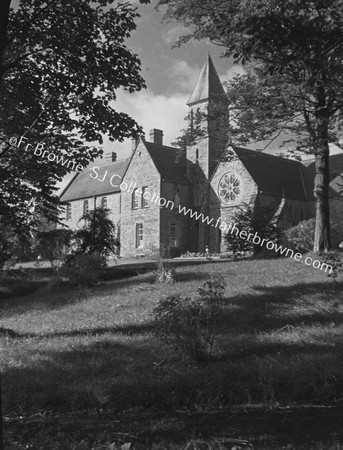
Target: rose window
{"x": 230, "y": 188}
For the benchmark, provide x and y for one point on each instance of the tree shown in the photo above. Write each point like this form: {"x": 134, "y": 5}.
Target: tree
{"x": 260, "y": 220}
{"x": 97, "y": 236}
{"x": 61, "y": 65}
{"x": 54, "y": 245}
{"x": 296, "y": 47}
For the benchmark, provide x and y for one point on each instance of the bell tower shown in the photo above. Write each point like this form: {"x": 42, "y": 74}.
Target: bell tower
{"x": 208, "y": 112}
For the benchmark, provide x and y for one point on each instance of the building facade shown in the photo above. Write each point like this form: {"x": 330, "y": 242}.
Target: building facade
{"x": 161, "y": 197}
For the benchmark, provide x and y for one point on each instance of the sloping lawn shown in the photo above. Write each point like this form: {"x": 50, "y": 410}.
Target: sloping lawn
{"x": 86, "y": 365}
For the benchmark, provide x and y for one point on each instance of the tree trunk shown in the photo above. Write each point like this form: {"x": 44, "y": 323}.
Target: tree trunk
{"x": 322, "y": 240}
{"x": 4, "y": 16}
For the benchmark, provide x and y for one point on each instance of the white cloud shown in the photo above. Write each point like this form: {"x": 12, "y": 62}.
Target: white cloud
{"x": 236, "y": 69}
{"x": 150, "y": 111}
{"x": 172, "y": 35}
{"x": 184, "y": 76}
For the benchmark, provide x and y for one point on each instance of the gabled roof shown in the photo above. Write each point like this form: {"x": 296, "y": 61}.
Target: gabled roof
{"x": 274, "y": 175}
{"x": 168, "y": 162}
{"x": 85, "y": 186}
{"x": 336, "y": 180}
{"x": 208, "y": 85}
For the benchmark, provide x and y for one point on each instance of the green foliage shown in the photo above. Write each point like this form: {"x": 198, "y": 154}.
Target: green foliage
{"x": 54, "y": 245}
{"x": 190, "y": 324}
{"x": 62, "y": 65}
{"x": 335, "y": 260}
{"x": 84, "y": 269}
{"x": 164, "y": 273}
{"x": 174, "y": 252}
{"x": 301, "y": 236}
{"x": 97, "y": 235}
{"x": 252, "y": 220}
{"x": 292, "y": 50}
{"x": 13, "y": 248}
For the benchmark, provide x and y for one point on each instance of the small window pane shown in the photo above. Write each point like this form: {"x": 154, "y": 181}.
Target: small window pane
{"x": 139, "y": 235}
{"x": 174, "y": 235}
{"x": 85, "y": 207}
{"x": 135, "y": 199}
{"x": 104, "y": 202}
{"x": 68, "y": 211}
{"x": 145, "y": 202}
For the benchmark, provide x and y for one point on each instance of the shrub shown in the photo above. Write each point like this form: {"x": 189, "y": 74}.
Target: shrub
{"x": 258, "y": 220}
{"x": 190, "y": 324}
{"x": 164, "y": 273}
{"x": 301, "y": 236}
{"x": 174, "y": 252}
{"x": 97, "y": 236}
{"x": 54, "y": 246}
{"x": 83, "y": 269}
{"x": 335, "y": 260}
{"x": 13, "y": 247}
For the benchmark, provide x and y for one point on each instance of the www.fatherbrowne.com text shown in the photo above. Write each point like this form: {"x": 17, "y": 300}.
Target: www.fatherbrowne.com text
{"x": 226, "y": 228}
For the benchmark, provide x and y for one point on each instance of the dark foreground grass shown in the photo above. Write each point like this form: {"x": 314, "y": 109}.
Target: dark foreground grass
{"x": 87, "y": 371}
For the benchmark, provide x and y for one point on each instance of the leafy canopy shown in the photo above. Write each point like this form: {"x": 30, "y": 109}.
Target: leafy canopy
{"x": 62, "y": 65}
{"x": 97, "y": 235}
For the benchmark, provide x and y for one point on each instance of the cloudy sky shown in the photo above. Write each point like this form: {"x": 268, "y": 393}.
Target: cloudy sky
{"x": 170, "y": 75}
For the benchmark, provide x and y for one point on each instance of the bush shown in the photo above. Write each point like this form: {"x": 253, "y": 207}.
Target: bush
{"x": 301, "y": 236}
{"x": 174, "y": 252}
{"x": 190, "y": 324}
{"x": 13, "y": 247}
{"x": 83, "y": 269}
{"x": 258, "y": 220}
{"x": 97, "y": 235}
{"x": 54, "y": 246}
{"x": 335, "y": 260}
{"x": 164, "y": 273}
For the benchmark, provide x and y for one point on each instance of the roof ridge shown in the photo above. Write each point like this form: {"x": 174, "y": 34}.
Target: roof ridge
{"x": 266, "y": 154}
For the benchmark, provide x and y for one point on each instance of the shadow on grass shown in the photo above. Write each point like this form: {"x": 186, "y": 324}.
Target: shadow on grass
{"x": 137, "y": 378}
{"x": 128, "y": 330}
{"x": 272, "y": 308}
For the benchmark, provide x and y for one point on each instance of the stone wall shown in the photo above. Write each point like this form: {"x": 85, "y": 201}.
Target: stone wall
{"x": 219, "y": 209}
{"x": 113, "y": 203}
{"x": 141, "y": 173}
{"x": 171, "y": 216}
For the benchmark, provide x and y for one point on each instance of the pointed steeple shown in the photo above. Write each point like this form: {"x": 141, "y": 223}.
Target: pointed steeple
{"x": 208, "y": 85}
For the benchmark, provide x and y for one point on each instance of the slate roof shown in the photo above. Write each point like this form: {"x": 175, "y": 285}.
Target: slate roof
{"x": 166, "y": 160}
{"x": 84, "y": 186}
{"x": 273, "y": 174}
{"x": 208, "y": 85}
{"x": 336, "y": 181}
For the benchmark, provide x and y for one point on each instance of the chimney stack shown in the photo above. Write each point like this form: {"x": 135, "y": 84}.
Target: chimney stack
{"x": 156, "y": 136}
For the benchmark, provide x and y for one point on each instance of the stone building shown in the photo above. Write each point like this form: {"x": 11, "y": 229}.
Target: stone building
{"x": 162, "y": 197}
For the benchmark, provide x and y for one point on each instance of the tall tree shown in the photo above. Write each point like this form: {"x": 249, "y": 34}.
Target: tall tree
{"x": 61, "y": 65}
{"x": 296, "y": 47}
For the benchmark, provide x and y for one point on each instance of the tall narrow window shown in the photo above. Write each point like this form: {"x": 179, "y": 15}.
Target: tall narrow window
{"x": 139, "y": 235}
{"x": 68, "y": 211}
{"x": 173, "y": 235}
{"x": 103, "y": 202}
{"x": 197, "y": 156}
{"x": 85, "y": 206}
{"x": 135, "y": 199}
{"x": 145, "y": 202}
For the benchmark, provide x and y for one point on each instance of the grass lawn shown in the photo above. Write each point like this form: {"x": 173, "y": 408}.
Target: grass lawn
{"x": 86, "y": 370}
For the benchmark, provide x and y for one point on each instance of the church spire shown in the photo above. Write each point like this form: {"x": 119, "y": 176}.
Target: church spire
{"x": 208, "y": 85}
